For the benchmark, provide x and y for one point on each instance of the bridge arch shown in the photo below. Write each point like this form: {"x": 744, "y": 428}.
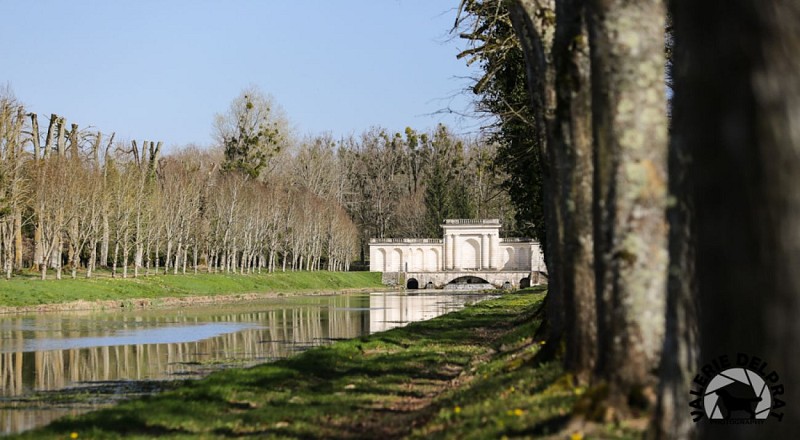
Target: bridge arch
{"x": 412, "y": 283}
{"x": 468, "y": 279}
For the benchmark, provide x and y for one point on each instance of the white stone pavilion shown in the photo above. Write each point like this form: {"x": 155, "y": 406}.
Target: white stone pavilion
{"x": 471, "y": 251}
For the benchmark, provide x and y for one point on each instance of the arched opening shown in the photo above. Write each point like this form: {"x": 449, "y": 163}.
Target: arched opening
{"x": 380, "y": 260}
{"x": 508, "y": 259}
{"x": 429, "y": 285}
{"x": 396, "y": 262}
{"x": 432, "y": 260}
{"x": 507, "y": 286}
{"x": 469, "y": 280}
{"x": 525, "y": 282}
{"x": 412, "y": 283}
{"x": 471, "y": 254}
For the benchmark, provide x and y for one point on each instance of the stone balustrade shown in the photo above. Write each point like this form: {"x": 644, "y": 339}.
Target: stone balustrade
{"x": 471, "y": 221}
{"x": 406, "y": 240}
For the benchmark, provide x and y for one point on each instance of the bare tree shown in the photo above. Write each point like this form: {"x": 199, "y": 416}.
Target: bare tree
{"x": 12, "y": 183}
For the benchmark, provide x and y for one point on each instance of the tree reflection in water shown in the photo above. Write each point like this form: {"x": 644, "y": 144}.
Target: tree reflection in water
{"x": 267, "y": 330}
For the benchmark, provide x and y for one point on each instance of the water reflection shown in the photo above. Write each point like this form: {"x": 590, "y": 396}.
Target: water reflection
{"x": 56, "y": 351}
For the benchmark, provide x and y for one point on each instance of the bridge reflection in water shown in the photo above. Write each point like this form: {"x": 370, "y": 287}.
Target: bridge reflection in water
{"x": 49, "y": 352}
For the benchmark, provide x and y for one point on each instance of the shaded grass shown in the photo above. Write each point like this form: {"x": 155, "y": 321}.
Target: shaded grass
{"x": 467, "y": 374}
{"x": 22, "y": 291}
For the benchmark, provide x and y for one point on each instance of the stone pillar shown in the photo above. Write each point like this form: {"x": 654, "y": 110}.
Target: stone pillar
{"x": 484, "y": 251}
{"x": 492, "y": 247}
{"x": 446, "y": 252}
{"x": 454, "y": 262}
{"x": 531, "y": 260}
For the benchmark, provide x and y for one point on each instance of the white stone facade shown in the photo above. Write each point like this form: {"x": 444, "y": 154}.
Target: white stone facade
{"x": 467, "y": 245}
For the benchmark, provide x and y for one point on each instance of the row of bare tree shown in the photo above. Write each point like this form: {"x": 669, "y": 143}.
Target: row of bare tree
{"x": 81, "y": 200}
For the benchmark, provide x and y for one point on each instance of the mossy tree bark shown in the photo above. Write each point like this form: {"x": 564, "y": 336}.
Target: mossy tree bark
{"x": 554, "y": 39}
{"x": 739, "y": 96}
{"x": 572, "y": 135}
{"x": 534, "y": 25}
{"x": 630, "y": 137}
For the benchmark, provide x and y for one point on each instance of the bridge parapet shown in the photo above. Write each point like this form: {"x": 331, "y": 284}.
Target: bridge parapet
{"x": 407, "y": 240}
{"x": 515, "y": 240}
{"x": 472, "y": 221}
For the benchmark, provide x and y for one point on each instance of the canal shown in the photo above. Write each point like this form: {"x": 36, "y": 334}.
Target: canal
{"x": 54, "y": 364}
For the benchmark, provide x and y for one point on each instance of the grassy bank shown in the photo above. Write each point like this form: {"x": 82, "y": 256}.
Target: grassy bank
{"x": 20, "y": 292}
{"x": 468, "y": 374}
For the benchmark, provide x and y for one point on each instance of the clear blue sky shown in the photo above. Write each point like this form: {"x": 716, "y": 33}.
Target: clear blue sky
{"x": 160, "y": 70}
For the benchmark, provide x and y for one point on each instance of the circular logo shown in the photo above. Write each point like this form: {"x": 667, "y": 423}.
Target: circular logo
{"x": 737, "y": 393}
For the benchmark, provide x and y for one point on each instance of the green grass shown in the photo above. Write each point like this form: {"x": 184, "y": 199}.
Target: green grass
{"x": 22, "y": 291}
{"x": 471, "y": 374}
{"x": 376, "y": 386}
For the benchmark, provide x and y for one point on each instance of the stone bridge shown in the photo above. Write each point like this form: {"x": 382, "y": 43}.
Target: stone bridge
{"x": 471, "y": 251}
{"x": 438, "y": 280}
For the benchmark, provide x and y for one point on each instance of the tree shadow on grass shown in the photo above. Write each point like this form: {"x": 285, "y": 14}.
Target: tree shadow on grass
{"x": 333, "y": 391}
{"x": 549, "y": 427}
{"x": 123, "y": 423}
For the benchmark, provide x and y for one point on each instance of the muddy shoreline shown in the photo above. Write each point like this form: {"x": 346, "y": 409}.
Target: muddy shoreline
{"x": 176, "y": 302}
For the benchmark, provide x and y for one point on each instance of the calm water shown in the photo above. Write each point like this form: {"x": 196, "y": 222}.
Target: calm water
{"x": 116, "y": 354}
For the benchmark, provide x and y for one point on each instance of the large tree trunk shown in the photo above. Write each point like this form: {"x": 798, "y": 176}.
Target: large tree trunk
{"x": 630, "y": 136}
{"x": 572, "y": 130}
{"x": 534, "y": 26}
{"x": 739, "y": 101}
